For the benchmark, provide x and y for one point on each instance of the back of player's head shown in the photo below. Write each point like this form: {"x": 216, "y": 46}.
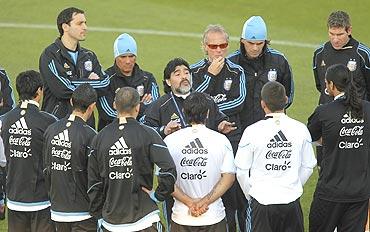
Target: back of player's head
{"x": 339, "y": 74}
{"x": 83, "y": 97}
{"x": 170, "y": 68}
{"x": 274, "y": 95}
{"x": 27, "y": 84}
{"x": 126, "y": 99}
{"x": 339, "y": 19}
{"x": 196, "y": 107}
{"x": 65, "y": 16}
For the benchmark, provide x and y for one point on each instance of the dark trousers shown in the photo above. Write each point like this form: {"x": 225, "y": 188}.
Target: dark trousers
{"x": 156, "y": 227}
{"x": 235, "y": 202}
{"x": 275, "y": 218}
{"x": 325, "y": 216}
{"x": 88, "y": 225}
{"x": 235, "y": 207}
{"x": 218, "y": 227}
{"x": 37, "y": 221}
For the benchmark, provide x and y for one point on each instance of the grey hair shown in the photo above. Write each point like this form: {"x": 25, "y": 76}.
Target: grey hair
{"x": 213, "y": 28}
{"x": 339, "y": 19}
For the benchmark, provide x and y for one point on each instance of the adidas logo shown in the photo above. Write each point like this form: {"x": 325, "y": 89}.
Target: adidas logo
{"x": 62, "y": 139}
{"x": 120, "y": 148}
{"x": 20, "y": 127}
{"x": 195, "y": 147}
{"x": 347, "y": 119}
{"x": 279, "y": 140}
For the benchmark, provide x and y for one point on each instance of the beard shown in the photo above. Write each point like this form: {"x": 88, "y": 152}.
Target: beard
{"x": 183, "y": 89}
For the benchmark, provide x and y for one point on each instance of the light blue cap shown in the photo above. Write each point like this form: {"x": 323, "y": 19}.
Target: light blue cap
{"x": 254, "y": 29}
{"x": 124, "y": 44}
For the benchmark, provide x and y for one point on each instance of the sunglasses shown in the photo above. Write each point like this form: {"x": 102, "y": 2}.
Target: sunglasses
{"x": 215, "y": 46}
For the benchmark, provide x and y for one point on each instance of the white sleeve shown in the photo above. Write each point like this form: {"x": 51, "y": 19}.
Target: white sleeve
{"x": 2, "y": 152}
{"x": 228, "y": 165}
{"x": 308, "y": 161}
{"x": 243, "y": 178}
{"x": 244, "y": 155}
{"x": 243, "y": 162}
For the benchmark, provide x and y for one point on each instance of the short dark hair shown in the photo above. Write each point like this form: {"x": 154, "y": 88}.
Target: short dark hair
{"x": 339, "y": 19}
{"x": 341, "y": 77}
{"x": 65, "y": 16}
{"x": 83, "y": 97}
{"x": 126, "y": 99}
{"x": 196, "y": 107}
{"x": 274, "y": 95}
{"x": 170, "y": 68}
{"x": 27, "y": 84}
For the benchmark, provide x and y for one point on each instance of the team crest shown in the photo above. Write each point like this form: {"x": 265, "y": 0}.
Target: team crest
{"x": 88, "y": 65}
{"x": 140, "y": 90}
{"x": 352, "y": 65}
{"x": 272, "y": 75}
{"x": 227, "y": 84}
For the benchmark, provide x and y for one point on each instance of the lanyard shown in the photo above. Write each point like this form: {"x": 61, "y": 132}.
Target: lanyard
{"x": 181, "y": 115}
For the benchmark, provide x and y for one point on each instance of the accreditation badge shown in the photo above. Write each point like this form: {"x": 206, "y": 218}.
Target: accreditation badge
{"x": 88, "y": 65}
{"x": 272, "y": 75}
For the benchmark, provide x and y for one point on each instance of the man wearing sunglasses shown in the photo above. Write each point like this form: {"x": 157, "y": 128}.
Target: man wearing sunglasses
{"x": 224, "y": 81}
{"x": 261, "y": 64}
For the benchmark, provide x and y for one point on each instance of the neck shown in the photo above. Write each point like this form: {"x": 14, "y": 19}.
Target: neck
{"x": 126, "y": 115}
{"x": 196, "y": 124}
{"x": 69, "y": 43}
{"x": 85, "y": 116}
{"x": 127, "y": 74}
{"x": 267, "y": 111}
{"x": 338, "y": 94}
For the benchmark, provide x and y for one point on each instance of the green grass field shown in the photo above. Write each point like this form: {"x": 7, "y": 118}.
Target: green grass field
{"x": 295, "y": 28}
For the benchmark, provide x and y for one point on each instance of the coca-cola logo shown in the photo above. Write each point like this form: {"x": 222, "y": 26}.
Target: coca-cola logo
{"x": 354, "y": 131}
{"x": 23, "y": 141}
{"x": 219, "y": 98}
{"x": 196, "y": 162}
{"x": 283, "y": 154}
{"x": 124, "y": 161}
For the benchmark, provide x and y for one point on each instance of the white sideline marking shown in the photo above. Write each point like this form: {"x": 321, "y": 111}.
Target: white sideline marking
{"x": 147, "y": 32}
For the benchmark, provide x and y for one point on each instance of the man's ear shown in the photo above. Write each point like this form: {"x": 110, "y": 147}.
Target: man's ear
{"x": 137, "y": 108}
{"x": 349, "y": 30}
{"x": 114, "y": 105}
{"x": 70, "y": 101}
{"x": 286, "y": 100}
{"x": 263, "y": 104}
{"x": 92, "y": 106}
{"x": 65, "y": 27}
{"x": 168, "y": 82}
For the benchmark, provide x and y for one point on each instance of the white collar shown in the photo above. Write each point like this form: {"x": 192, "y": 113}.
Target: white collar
{"x": 339, "y": 95}
{"x": 25, "y": 102}
{"x": 275, "y": 115}
{"x": 184, "y": 96}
